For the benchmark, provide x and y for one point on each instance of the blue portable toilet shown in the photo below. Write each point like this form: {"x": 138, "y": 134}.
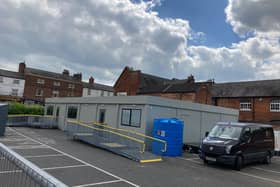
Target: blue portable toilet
{"x": 171, "y": 131}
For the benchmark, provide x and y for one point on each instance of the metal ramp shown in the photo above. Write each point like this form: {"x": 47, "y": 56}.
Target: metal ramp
{"x": 130, "y": 144}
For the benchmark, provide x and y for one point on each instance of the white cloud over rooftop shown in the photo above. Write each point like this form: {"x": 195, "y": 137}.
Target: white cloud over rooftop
{"x": 100, "y": 37}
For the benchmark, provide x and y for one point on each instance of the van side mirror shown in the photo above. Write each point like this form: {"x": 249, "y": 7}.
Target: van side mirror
{"x": 206, "y": 133}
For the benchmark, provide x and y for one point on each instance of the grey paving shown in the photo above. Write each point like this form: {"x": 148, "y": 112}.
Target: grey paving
{"x": 185, "y": 171}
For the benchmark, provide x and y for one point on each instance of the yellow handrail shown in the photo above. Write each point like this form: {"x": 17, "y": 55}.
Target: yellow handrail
{"x": 132, "y": 132}
{"x": 112, "y": 132}
{"x": 30, "y": 115}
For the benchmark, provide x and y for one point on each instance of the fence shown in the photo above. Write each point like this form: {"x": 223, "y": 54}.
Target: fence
{"x": 130, "y": 144}
{"x": 32, "y": 121}
{"x": 15, "y": 171}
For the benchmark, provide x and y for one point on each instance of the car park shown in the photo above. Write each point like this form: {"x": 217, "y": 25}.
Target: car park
{"x": 237, "y": 144}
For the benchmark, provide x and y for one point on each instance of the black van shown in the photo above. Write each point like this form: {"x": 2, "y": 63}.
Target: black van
{"x": 236, "y": 144}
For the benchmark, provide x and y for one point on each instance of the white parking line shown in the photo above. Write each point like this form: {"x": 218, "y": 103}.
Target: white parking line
{"x": 267, "y": 170}
{"x": 11, "y": 171}
{"x": 12, "y": 140}
{"x": 39, "y": 156}
{"x": 258, "y": 177}
{"x": 98, "y": 183}
{"x": 65, "y": 167}
{"x": 190, "y": 159}
{"x": 75, "y": 158}
{"x": 28, "y": 147}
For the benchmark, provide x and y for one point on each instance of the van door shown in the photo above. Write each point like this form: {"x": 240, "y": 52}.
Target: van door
{"x": 257, "y": 143}
{"x": 246, "y": 145}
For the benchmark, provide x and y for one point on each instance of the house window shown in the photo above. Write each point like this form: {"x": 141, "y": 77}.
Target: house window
{"x": 39, "y": 92}
{"x": 245, "y": 106}
{"x": 70, "y": 94}
{"x": 131, "y": 117}
{"x": 72, "y": 112}
{"x": 72, "y": 86}
{"x": 40, "y": 81}
{"x": 1, "y": 79}
{"x": 49, "y": 110}
{"x": 121, "y": 94}
{"x": 56, "y": 83}
{"x": 16, "y": 81}
{"x": 55, "y": 93}
{"x": 275, "y": 106}
{"x": 14, "y": 92}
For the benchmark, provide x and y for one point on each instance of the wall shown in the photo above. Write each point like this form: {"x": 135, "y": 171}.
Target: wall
{"x": 178, "y": 96}
{"x": 260, "y": 111}
{"x": 96, "y": 93}
{"x": 31, "y": 85}
{"x": 128, "y": 82}
{"x": 7, "y": 85}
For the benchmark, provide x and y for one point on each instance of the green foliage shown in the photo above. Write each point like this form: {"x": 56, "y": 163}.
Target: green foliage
{"x": 18, "y": 108}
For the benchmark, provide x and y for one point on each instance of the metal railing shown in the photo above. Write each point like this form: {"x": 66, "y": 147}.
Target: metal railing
{"x": 131, "y": 133}
{"x": 16, "y": 171}
{"x": 104, "y": 138}
{"x": 32, "y": 121}
{"x": 95, "y": 133}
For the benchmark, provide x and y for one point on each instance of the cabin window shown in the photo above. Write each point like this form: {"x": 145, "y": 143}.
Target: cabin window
{"x": 50, "y": 110}
{"x": 72, "y": 112}
{"x": 131, "y": 117}
{"x": 245, "y": 106}
{"x": 275, "y": 106}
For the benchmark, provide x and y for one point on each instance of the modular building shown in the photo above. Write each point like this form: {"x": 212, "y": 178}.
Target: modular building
{"x": 138, "y": 113}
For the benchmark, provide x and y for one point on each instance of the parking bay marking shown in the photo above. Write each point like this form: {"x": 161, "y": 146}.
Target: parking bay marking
{"x": 75, "y": 158}
{"x": 258, "y": 177}
{"x": 42, "y": 156}
{"x": 99, "y": 183}
{"x": 266, "y": 170}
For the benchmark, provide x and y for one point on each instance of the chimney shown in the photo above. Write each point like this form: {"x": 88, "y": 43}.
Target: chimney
{"x": 78, "y": 76}
{"x": 21, "y": 67}
{"x": 65, "y": 72}
{"x": 190, "y": 79}
{"x": 91, "y": 80}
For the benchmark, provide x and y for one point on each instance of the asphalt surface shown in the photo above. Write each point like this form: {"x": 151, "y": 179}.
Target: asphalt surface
{"x": 78, "y": 164}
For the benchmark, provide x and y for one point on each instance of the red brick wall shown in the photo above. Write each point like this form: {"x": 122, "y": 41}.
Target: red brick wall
{"x": 260, "y": 111}
{"x": 31, "y": 86}
{"x": 203, "y": 95}
{"x": 179, "y": 96}
{"x": 128, "y": 82}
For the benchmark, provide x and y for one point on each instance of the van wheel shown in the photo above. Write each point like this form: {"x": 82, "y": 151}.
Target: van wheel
{"x": 267, "y": 159}
{"x": 205, "y": 161}
{"x": 238, "y": 163}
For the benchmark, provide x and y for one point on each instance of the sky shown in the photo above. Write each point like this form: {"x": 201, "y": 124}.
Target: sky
{"x": 224, "y": 40}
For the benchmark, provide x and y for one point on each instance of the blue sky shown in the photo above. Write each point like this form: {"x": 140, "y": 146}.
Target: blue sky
{"x": 161, "y": 37}
{"x": 207, "y": 16}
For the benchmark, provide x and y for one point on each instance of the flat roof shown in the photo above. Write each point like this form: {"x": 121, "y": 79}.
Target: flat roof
{"x": 143, "y": 100}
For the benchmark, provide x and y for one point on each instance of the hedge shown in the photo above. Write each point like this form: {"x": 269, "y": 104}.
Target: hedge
{"x": 18, "y": 108}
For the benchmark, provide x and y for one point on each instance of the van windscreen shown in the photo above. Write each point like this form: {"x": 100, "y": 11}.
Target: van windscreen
{"x": 226, "y": 132}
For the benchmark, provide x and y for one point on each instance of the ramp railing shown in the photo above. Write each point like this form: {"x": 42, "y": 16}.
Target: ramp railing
{"x": 103, "y": 137}
{"x": 147, "y": 139}
{"x": 16, "y": 171}
{"x": 28, "y": 120}
{"x": 127, "y": 143}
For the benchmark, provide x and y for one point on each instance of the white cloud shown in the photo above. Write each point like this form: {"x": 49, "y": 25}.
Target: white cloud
{"x": 100, "y": 37}
{"x": 255, "y": 16}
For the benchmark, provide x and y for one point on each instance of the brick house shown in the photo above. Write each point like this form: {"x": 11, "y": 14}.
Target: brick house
{"x": 257, "y": 101}
{"x": 40, "y": 84}
{"x": 92, "y": 89}
{"x": 134, "y": 82}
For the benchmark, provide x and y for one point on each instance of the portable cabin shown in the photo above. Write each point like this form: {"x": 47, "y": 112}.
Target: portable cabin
{"x": 138, "y": 113}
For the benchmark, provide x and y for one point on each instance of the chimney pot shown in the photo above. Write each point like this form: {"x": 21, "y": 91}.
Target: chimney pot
{"x": 190, "y": 79}
{"x": 21, "y": 67}
{"x": 65, "y": 72}
{"x": 91, "y": 80}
